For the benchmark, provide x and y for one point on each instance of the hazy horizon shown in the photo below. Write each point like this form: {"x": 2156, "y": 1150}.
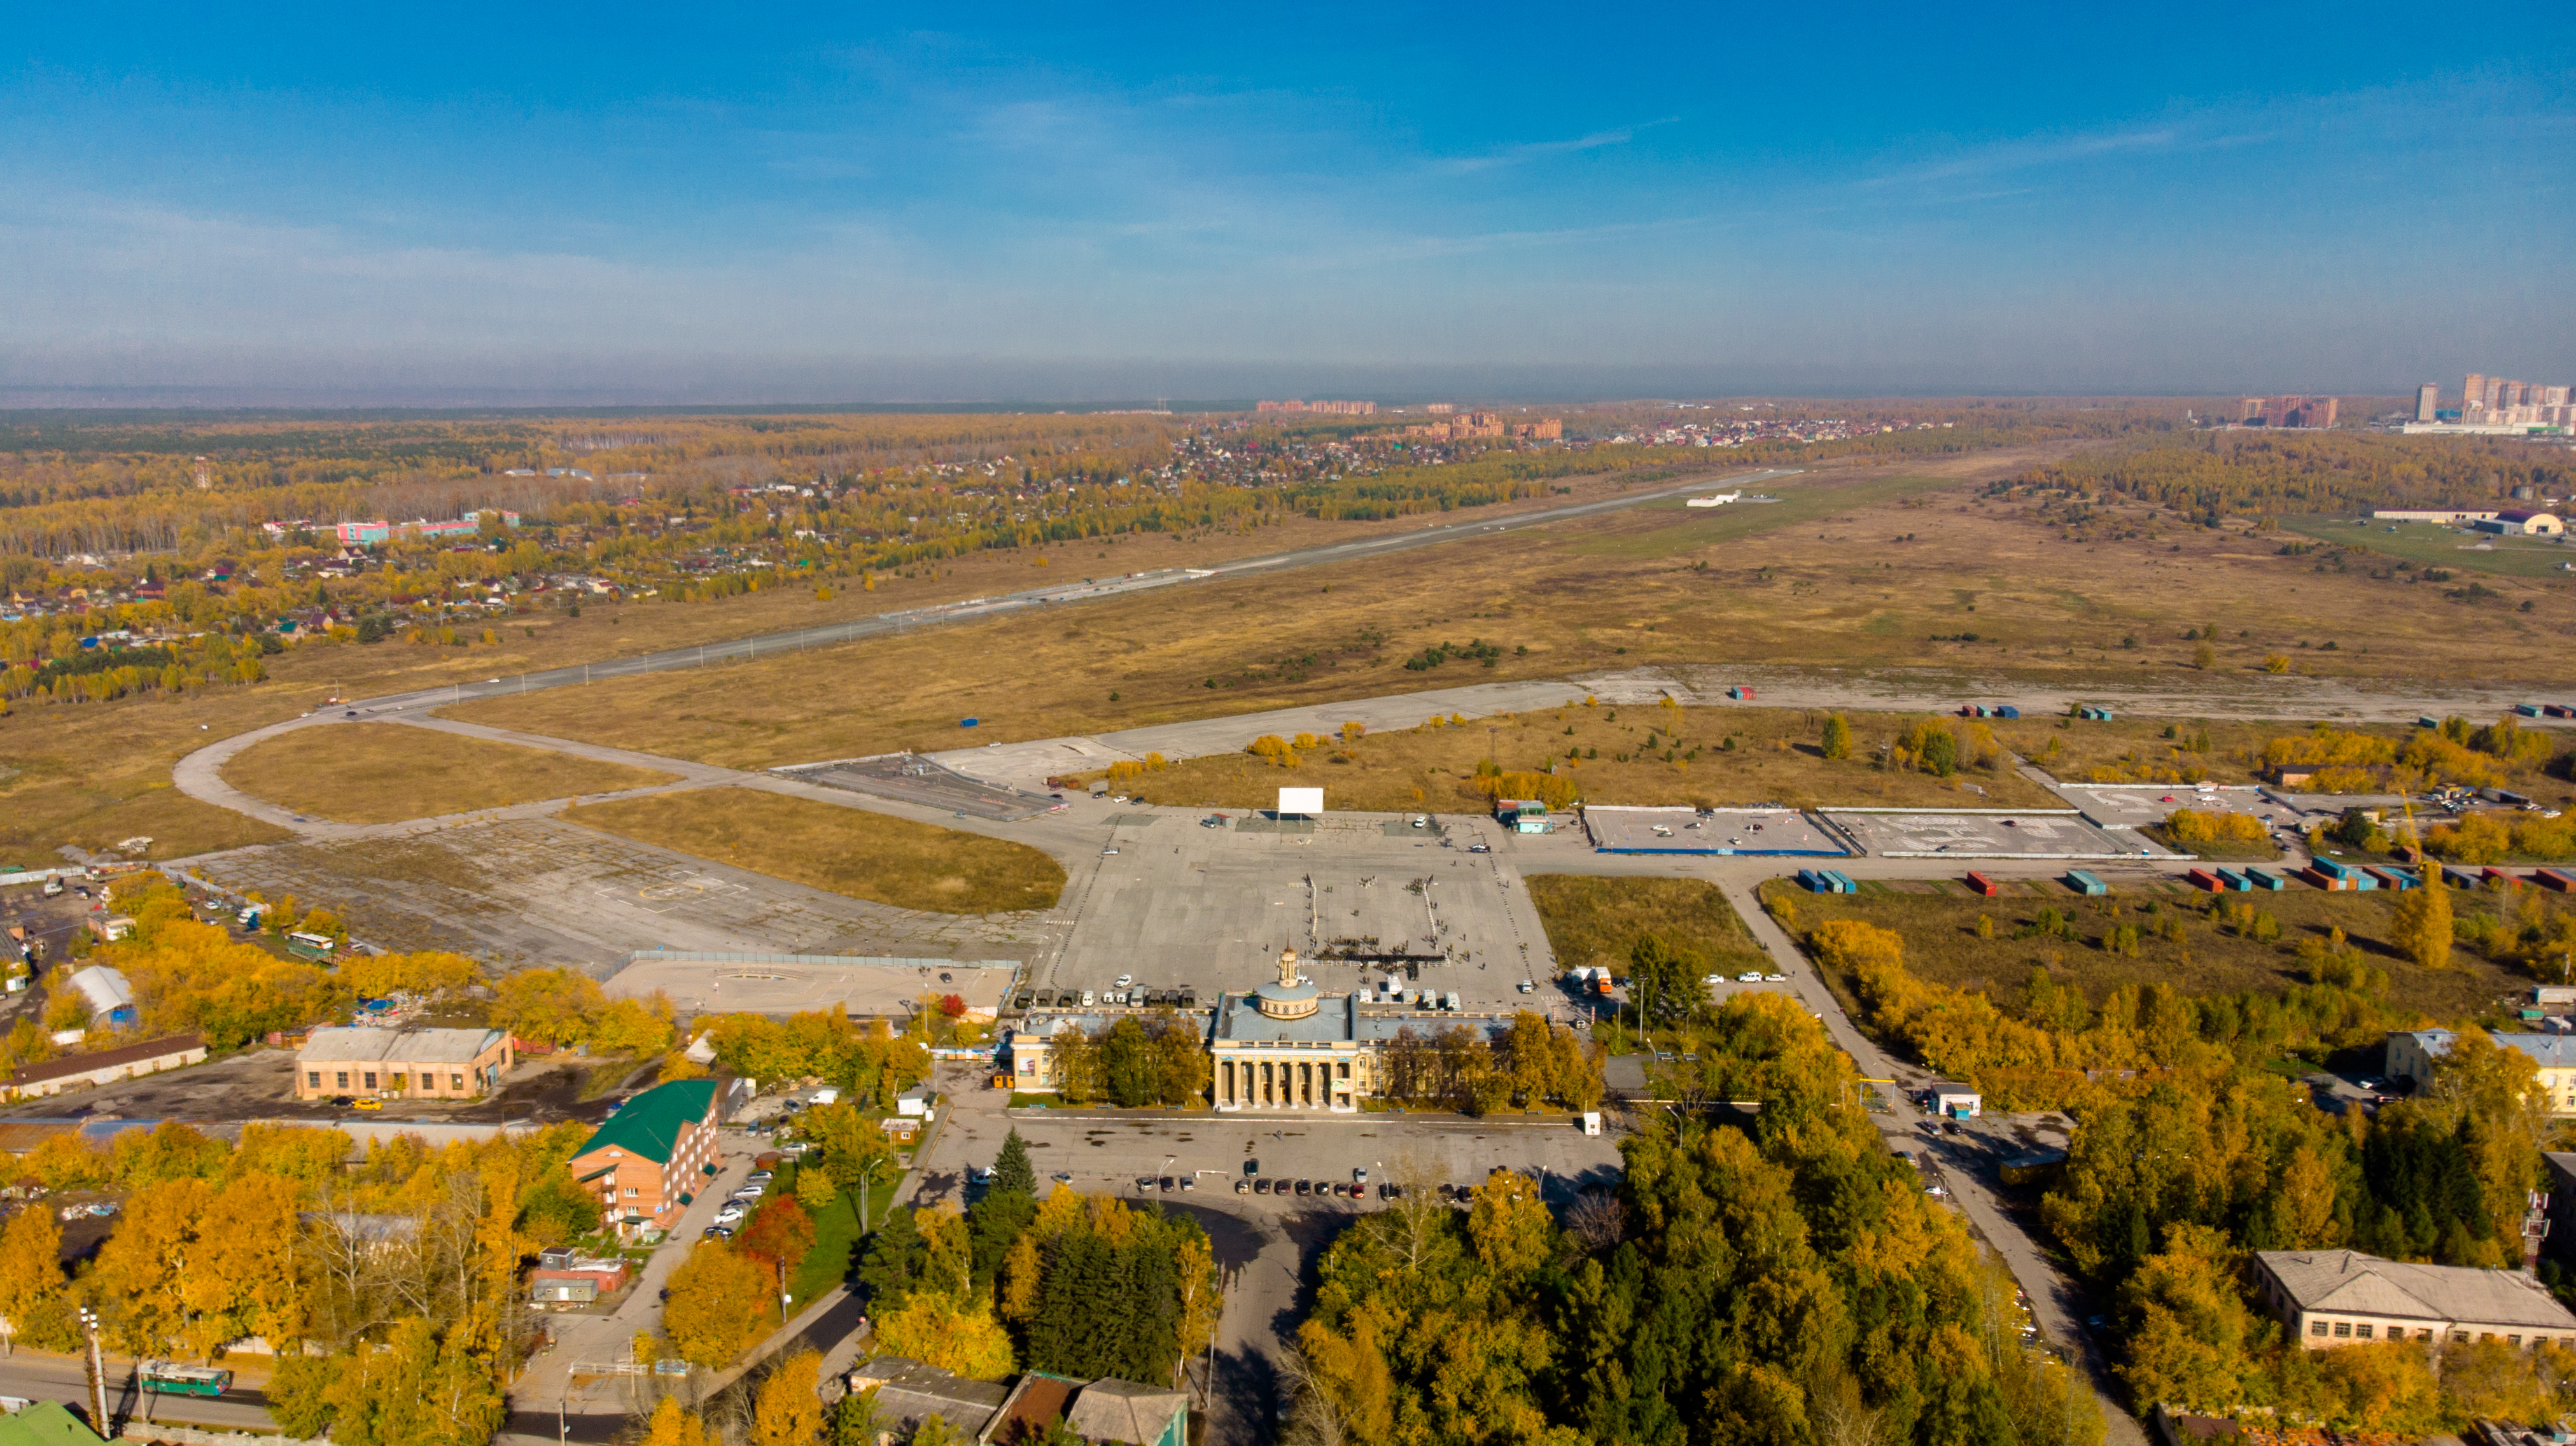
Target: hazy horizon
{"x": 798, "y": 208}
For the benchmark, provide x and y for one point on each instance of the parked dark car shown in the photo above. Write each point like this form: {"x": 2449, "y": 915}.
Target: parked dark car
{"x": 1305, "y": 1186}
{"x": 1260, "y": 1187}
{"x": 1168, "y": 1182}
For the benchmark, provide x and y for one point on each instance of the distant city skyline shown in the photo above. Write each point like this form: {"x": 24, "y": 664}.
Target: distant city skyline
{"x": 814, "y": 206}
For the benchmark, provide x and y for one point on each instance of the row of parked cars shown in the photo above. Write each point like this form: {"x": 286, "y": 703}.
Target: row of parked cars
{"x": 739, "y": 1205}
{"x": 1354, "y": 1190}
{"x": 1124, "y": 993}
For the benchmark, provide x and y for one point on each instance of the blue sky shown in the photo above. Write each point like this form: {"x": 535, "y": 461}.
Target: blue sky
{"x": 1072, "y": 203}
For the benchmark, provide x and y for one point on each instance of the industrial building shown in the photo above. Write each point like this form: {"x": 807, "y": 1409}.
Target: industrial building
{"x": 424, "y": 1064}
{"x": 107, "y": 1066}
{"x": 2328, "y": 1298}
{"x": 2523, "y": 523}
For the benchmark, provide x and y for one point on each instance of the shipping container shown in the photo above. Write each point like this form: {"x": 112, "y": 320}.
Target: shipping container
{"x": 2085, "y": 883}
{"x": 2203, "y": 879}
{"x": 1983, "y": 885}
{"x": 2266, "y": 879}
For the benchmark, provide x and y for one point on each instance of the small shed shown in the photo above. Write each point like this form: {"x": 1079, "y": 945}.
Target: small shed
{"x": 1952, "y": 1100}
{"x": 1521, "y": 815}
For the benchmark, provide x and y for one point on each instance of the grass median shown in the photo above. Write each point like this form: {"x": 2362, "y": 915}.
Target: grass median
{"x": 1711, "y": 757}
{"x": 1594, "y": 920}
{"x": 871, "y": 856}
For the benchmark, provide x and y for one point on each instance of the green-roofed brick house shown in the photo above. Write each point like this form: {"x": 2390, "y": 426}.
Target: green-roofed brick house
{"x": 651, "y": 1157}
{"x": 46, "y": 1423}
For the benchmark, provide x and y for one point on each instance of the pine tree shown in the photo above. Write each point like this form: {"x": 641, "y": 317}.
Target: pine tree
{"x": 893, "y": 1263}
{"x": 1012, "y": 1171}
{"x": 854, "y": 1419}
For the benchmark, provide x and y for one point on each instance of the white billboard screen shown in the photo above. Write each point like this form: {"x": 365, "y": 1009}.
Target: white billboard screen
{"x": 1301, "y": 800}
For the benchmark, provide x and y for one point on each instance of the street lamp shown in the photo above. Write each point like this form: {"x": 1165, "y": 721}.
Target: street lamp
{"x": 97, "y": 1372}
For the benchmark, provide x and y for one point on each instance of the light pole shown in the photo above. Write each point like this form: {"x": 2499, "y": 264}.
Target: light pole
{"x": 97, "y": 1372}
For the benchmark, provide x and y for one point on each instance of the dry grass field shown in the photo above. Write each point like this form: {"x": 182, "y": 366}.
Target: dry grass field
{"x": 1705, "y": 756}
{"x": 1862, "y": 573}
{"x": 93, "y": 775}
{"x": 865, "y": 855}
{"x": 1939, "y": 922}
{"x": 2133, "y": 749}
{"x": 1866, "y": 572}
{"x": 387, "y": 772}
{"x": 1595, "y": 921}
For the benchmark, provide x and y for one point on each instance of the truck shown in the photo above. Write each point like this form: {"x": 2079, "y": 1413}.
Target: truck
{"x": 320, "y": 948}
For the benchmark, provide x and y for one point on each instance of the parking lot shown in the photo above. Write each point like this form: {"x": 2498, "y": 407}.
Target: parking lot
{"x": 1171, "y": 901}
{"x": 1110, "y": 1153}
{"x": 1990, "y": 836}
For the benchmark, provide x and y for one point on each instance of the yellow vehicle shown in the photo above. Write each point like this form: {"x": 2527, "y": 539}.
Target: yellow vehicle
{"x": 370, "y": 1104}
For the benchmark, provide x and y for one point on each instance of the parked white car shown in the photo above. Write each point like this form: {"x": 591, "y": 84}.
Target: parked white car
{"x": 1749, "y": 976}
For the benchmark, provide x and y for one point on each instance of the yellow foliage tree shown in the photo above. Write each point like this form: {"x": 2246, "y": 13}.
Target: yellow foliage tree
{"x": 789, "y": 1413}
{"x": 674, "y": 1426}
{"x": 720, "y": 1303}
{"x": 934, "y": 1329}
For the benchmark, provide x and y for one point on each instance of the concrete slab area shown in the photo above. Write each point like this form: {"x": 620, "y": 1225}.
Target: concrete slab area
{"x": 2135, "y": 805}
{"x": 705, "y": 982}
{"x": 1211, "y": 908}
{"x": 914, "y": 778}
{"x": 1990, "y": 836}
{"x": 1028, "y": 765}
{"x": 523, "y": 891}
{"x": 1720, "y": 832}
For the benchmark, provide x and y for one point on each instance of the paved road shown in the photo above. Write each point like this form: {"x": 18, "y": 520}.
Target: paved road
{"x": 44, "y": 1377}
{"x": 2055, "y": 1302}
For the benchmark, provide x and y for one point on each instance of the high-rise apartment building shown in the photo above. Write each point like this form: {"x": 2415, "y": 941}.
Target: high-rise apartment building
{"x": 2506, "y": 402}
{"x": 2428, "y": 399}
{"x": 2289, "y": 412}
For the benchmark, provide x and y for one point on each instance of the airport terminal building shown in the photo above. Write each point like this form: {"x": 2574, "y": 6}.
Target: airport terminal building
{"x": 1284, "y": 1046}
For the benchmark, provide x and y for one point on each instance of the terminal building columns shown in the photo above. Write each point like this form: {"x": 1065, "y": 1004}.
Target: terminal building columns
{"x": 1280, "y": 1084}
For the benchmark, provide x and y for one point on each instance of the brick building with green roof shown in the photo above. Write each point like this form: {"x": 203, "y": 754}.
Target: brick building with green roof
{"x": 650, "y": 1157}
